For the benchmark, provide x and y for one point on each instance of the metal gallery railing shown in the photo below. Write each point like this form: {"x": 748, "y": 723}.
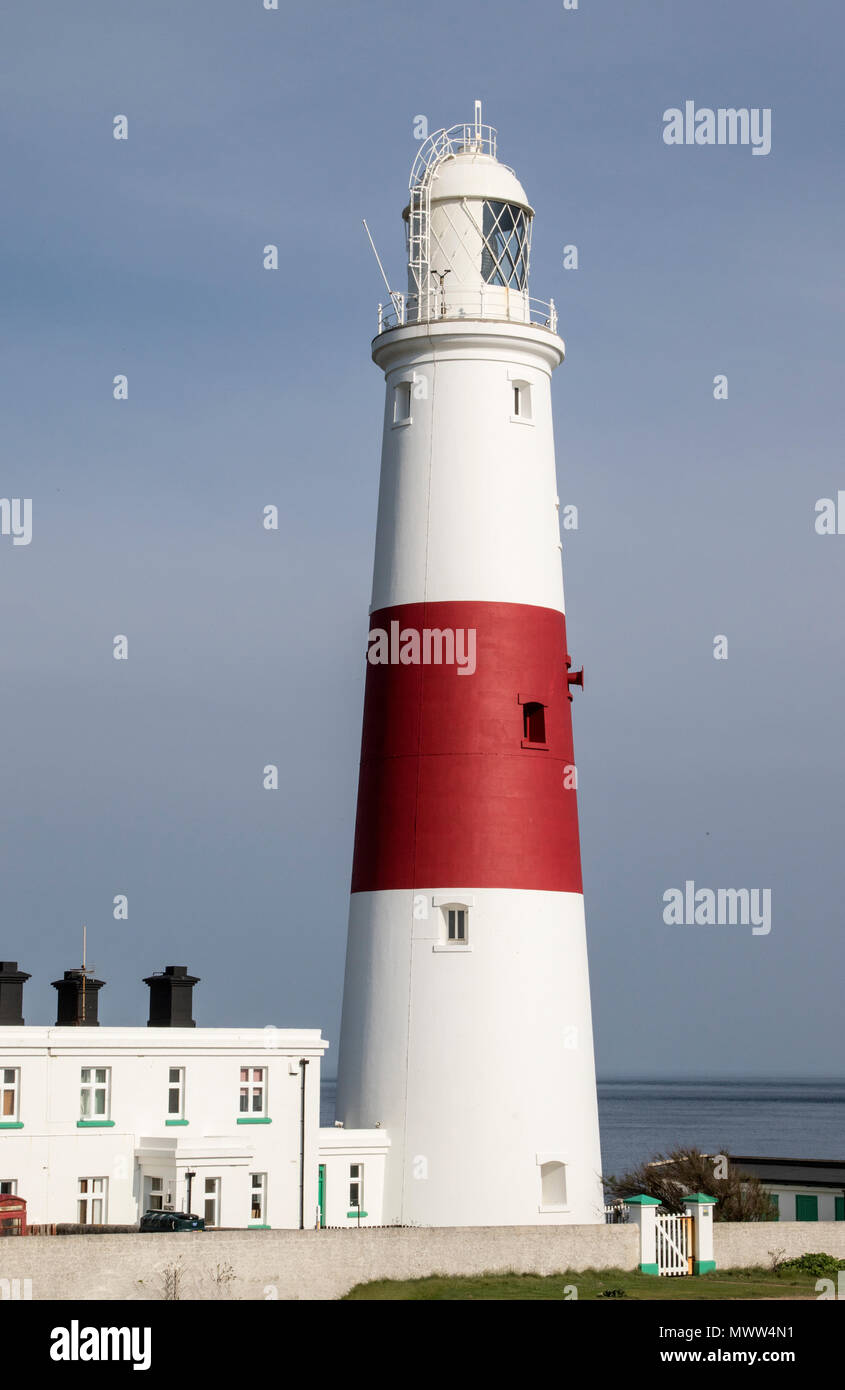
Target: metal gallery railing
{"x": 488, "y": 302}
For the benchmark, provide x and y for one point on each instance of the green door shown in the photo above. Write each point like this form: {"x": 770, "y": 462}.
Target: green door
{"x": 321, "y": 1194}
{"x": 806, "y": 1208}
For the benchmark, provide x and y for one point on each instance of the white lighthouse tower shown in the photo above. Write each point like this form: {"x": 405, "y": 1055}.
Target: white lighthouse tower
{"x": 466, "y": 1030}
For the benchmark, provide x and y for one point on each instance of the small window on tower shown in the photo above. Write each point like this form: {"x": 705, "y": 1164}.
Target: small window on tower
{"x": 402, "y": 403}
{"x": 456, "y": 924}
{"x": 521, "y": 402}
{"x": 454, "y": 931}
{"x": 533, "y": 723}
{"x": 553, "y": 1186}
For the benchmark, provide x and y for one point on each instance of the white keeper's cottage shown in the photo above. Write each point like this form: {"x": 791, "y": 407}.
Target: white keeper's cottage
{"x": 99, "y": 1125}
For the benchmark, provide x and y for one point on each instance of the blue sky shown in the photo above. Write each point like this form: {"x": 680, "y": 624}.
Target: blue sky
{"x": 247, "y": 387}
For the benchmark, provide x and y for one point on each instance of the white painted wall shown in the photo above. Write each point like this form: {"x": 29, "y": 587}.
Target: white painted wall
{"x": 467, "y": 496}
{"x": 339, "y": 1150}
{"x": 479, "y": 1062}
{"x": 786, "y": 1201}
{"x": 49, "y": 1154}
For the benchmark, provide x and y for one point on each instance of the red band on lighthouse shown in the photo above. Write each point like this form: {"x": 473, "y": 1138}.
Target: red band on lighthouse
{"x": 466, "y": 764}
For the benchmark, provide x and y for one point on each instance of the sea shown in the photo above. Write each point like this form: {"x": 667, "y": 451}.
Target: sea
{"x": 641, "y": 1119}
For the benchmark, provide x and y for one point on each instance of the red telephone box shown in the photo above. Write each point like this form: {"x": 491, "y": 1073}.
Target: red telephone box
{"x": 12, "y": 1216}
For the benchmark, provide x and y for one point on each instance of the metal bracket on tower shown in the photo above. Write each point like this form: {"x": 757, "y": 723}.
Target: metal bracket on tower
{"x": 573, "y": 677}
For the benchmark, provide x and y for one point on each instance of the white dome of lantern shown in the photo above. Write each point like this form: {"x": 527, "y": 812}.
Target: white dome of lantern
{"x": 468, "y": 224}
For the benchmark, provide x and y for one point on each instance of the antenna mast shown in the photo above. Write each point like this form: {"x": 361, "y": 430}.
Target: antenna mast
{"x": 85, "y": 972}
{"x": 395, "y": 298}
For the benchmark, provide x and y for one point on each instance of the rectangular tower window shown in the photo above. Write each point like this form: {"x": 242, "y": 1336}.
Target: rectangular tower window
{"x": 533, "y": 723}
{"x": 456, "y": 924}
{"x": 521, "y": 401}
{"x": 552, "y": 1185}
{"x": 402, "y": 403}
{"x": 9, "y": 1188}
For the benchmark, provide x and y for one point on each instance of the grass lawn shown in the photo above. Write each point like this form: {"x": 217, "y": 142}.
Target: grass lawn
{"x": 594, "y": 1284}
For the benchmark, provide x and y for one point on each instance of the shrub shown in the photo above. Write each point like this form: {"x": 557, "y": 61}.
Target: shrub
{"x": 818, "y": 1266}
{"x": 668, "y": 1177}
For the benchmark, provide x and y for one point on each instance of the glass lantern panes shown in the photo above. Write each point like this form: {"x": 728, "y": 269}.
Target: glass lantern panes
{"x": 504, "y": 256}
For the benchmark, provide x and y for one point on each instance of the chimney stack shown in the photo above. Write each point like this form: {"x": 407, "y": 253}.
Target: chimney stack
{"x": 11, "y": 994}
{"x": 71, "y": 1000}
{"x": 171, "y": 998}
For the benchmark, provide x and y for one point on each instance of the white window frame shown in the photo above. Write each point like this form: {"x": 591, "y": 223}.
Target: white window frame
{"x": 447, "y": 905}
{"x": 179, "y": 1087}
{"x": 90, "y": 1198}
{"x": 258, "y": 1185}
{"x": 522, "y": 412}
{"x": 253, "y": 1088}
{"x": 10, "y": 1088}
{"x": 213, "y": 1196}
{"x": 356, "y": 1182}
{"x": 154, "y": 1195}
{"x": 8, "y": 1187}
{"x": 400, "y": 389}
{"x": 90, "y": 1087}
{"x": 543, "y": 1161}
{"x": 457, "y": 925}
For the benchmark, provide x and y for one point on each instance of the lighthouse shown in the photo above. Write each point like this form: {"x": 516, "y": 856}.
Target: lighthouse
{"x": 466, "y": 1033}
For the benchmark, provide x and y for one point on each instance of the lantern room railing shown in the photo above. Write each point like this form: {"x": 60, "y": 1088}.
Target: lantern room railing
{"x": 489, "y": 302}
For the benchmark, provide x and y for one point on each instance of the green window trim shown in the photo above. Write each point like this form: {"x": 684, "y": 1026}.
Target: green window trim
{"x": 321, "y": 1194}
{"x": 95, "y": 1124}
{"x": 839, "y": 1204}
{"x": 355, "y": 1214}
{"x": 258, "y": 1226}
{"x": 176, "y": 1122}
{"x": 11, "y": 1124}
{"x": 254, "y": 1120}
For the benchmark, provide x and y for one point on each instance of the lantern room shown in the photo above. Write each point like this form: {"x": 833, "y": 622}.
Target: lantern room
{"x": 468, "y": 234}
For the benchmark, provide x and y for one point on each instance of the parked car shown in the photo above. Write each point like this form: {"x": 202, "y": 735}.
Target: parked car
{"x": 170, "y": 1221}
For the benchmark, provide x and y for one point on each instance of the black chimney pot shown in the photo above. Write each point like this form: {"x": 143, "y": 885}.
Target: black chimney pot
{"x": 12, "y": 982}
{"x": 70, "y": 1000}
{"x": 172, "y": 998}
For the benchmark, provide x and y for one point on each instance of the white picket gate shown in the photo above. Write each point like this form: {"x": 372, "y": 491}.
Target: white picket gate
{"x": 674, "y": 1243}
